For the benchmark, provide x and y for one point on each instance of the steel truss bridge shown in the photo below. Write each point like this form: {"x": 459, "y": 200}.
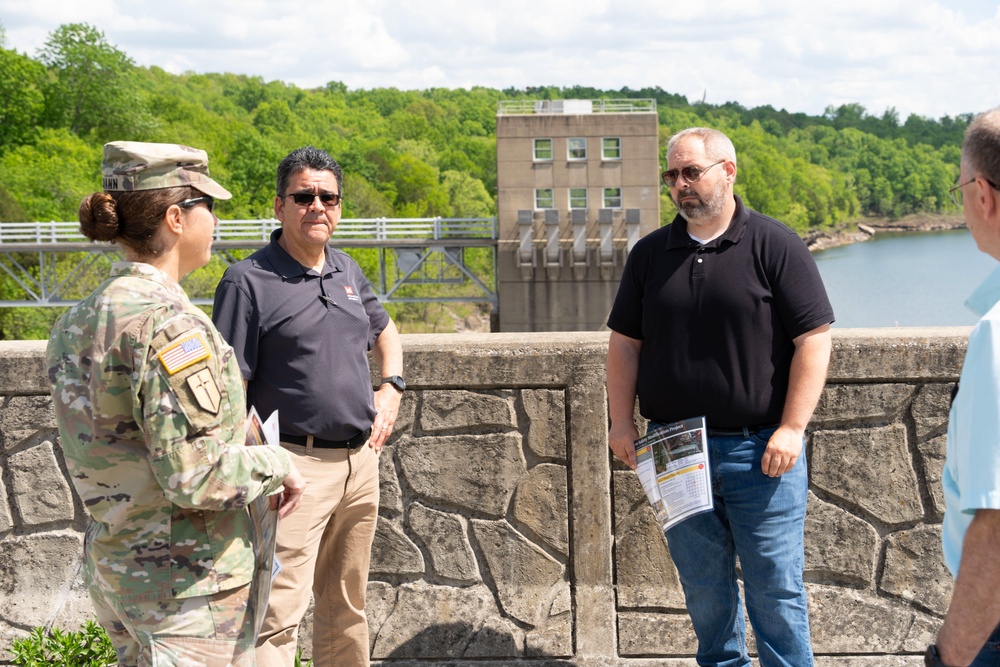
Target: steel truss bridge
{"x": 419, "y": 259}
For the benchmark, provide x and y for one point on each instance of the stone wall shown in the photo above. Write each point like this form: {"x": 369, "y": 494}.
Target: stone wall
{"x": 507, "y": 534}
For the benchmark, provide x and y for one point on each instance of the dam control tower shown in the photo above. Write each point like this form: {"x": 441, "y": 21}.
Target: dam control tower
{"x": 578, "y": 183}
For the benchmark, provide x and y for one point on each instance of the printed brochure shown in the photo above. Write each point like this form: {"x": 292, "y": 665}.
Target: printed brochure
{"x": 264, "y": 521}
{"x": 672, "y": 464}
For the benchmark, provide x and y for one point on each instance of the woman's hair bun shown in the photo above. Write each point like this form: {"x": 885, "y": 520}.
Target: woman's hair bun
{"x": 99, "y": 217}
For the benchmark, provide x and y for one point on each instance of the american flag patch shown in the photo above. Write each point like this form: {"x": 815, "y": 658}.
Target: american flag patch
{"x": 186, "y": 351}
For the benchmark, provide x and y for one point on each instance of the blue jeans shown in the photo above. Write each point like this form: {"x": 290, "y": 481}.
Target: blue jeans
{"x": 760, "y": 520}
{"x": 989, "y": 656}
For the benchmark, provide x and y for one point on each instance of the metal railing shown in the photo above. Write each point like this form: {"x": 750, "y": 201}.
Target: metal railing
{"x": 529, "y": 107}
{"x": 413, "y": 253}
{"x": 378, "y": 229}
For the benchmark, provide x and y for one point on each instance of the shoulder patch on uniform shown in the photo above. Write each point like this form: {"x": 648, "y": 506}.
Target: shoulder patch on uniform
{"x": 183, "y": 352}
{"x": 177, "y": 327}
{"x": 205, "y": 390}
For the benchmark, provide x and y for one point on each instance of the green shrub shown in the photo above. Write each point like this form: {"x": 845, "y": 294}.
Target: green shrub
{"x": 89, "y": 647}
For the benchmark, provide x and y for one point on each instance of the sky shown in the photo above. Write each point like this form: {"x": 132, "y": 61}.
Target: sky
{"x": 926, "y": 57}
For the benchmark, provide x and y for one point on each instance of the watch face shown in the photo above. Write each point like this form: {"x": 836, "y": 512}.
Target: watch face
{"x": 396, "y": 381}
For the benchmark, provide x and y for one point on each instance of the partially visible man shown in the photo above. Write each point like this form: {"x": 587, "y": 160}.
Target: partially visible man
{"x": 723, "y": 313}
{"x": 302, "y": 319}
{"x": 970, "y": 634}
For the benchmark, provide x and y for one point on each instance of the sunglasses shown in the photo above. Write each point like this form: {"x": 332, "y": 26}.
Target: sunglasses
{"x": 307, "y": 198}
{"x": 690, "y": 174}
{"x": 191, "y": 203}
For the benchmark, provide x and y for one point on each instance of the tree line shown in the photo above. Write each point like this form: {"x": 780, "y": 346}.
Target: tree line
{"x": 416, "y": 153}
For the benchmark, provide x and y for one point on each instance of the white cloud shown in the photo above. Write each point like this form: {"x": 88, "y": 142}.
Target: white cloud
{"x": 929, "y": 57}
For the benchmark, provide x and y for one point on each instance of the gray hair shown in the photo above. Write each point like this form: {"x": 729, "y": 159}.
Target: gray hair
{"x": 981, "y": 146}
{"x": 717, "y": 145}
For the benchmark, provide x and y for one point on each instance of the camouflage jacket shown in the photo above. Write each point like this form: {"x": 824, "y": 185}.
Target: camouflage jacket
{"x": 151, "y": 410}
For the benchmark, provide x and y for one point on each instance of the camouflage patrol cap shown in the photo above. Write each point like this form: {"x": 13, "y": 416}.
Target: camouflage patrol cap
{"x": 134, "y": 165}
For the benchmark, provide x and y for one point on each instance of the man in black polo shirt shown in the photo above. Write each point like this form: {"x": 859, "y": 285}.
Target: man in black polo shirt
{"x": 302, "y": 317}
{"x": 722, "y": 313}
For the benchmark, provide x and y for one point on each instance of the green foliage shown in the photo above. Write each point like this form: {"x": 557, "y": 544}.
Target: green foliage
{"x": 252, "y": 175}
{"x": 420, "y": 153}
{"x": 48, "y": 179}
{"x": 89, "y": 647}
{"x": 21, "y": 98}
{"x": 92, "y": 87}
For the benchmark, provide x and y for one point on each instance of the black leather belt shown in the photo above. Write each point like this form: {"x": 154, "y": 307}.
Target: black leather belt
{"x": 733, "y": 432}
{"x": 350, "y": 443}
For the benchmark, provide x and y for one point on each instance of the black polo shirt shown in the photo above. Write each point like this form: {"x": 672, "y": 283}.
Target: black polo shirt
{"x": 717, "y": 320}
{"x": 302, "y": 339}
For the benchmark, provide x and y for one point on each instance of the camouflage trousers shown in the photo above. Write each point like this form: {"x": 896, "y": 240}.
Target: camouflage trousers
{"x": 205, "y": 631}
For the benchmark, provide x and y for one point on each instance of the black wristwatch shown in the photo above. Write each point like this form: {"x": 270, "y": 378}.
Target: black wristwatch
{"x": 396, "y": 381}
{"x": 931, "y": 657}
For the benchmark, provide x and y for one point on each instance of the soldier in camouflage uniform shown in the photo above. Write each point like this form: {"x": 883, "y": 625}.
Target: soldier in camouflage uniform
{"x": 151, "y": 409}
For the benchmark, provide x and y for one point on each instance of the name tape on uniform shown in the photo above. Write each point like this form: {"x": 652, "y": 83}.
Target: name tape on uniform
{"x": 185, "y": 351}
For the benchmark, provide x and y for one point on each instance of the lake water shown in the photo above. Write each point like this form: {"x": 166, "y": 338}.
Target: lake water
{"x": 905, "y": 279}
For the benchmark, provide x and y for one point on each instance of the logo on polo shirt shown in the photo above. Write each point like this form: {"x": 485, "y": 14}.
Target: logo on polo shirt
{"x": 351, "y": 296}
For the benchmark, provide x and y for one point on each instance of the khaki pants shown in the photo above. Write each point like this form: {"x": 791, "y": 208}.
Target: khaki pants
{"x": 204, "y": 631}
{"x": 325, "y": 546}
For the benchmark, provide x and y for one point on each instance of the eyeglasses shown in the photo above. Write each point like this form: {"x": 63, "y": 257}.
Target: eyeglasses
{"x": 956, "y": 191}
{"x": 690, "y": 174}
{"x": 329, "y": 200}
{"x": 206, "y": 199}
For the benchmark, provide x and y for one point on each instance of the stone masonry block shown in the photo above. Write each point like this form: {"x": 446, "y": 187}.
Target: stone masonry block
{"x": 6, "y": 520}
{"x": 496, "y": 638}
{"x": 915, "y": 569}
{"x": 454, "y": 409}
{"x": 41, "y": 492}
{"x": 438, "y": 622}
{"x": 554, "y": 639}
{"x": 870, "y": 468}
{"x": 870, "y": 661}
{"x": 541, "y": 503}
{"x": 839, "y": 546}
{"x": 851, "y": 403}
{"x": 36, "y": 571}
{"x": 845, "y": 620}
{"x": 75, "y": 609}
{"x": 651, "y": 633}
{"x": 932, "y": 455}
{"x": 477, "y": 472}
{"x": 380, "y": 602}
{"x": 22, "y": 416}
{"x": 546, "y": 411}
{"x": 393, "y": 552}
{"x": 444, "y": 536}
{"x": 23, "y": 370}
{"x": 880, "y": 355}
{"x": 390, "y": 495}
{"x": 930, "y": 410}
{"x": 638, "y": 542}
{"x": 526, "y": 578}
{"x": 407, "y": 411}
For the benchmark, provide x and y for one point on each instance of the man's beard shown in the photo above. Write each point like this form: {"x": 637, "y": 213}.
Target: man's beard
{"x": 706, "y": 209}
